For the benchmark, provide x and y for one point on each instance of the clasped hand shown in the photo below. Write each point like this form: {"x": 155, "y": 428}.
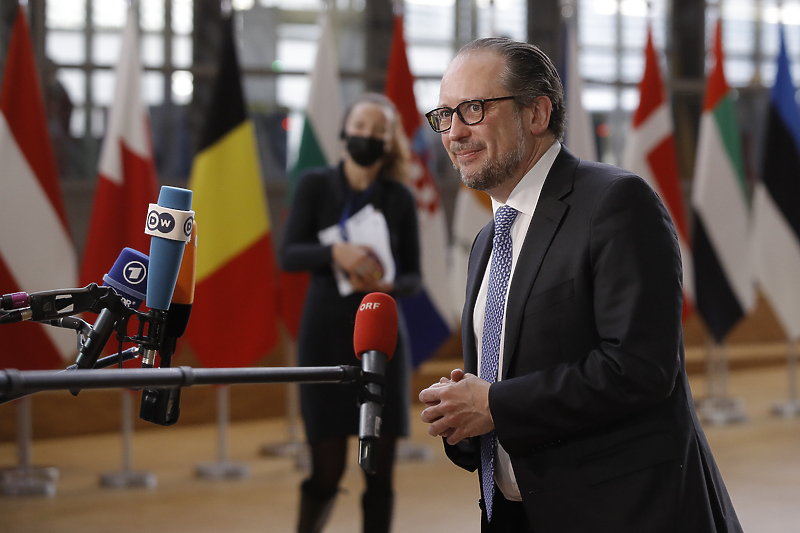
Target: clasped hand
{"x": 458, "y": 407}
{"x": 362, "y": 266}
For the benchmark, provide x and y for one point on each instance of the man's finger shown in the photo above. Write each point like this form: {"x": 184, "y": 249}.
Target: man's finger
{"x": 431, "y": 414}
{"x": 454, "y": 437}
{"x": 439, "y": 428}
{"x": 431, "y": 394}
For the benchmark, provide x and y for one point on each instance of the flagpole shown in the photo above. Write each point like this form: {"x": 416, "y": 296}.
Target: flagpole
{"x": 492, "y": 21}
{"x": 323, "y": 96}
{"x": 293, "y": 446}
{"x": 31, "y": 185}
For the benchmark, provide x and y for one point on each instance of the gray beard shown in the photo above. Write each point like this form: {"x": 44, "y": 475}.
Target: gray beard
{"x": 496, "y": 171}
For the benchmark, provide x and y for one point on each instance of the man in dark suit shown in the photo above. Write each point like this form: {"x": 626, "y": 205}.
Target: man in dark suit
{"x": 573, "y": 403}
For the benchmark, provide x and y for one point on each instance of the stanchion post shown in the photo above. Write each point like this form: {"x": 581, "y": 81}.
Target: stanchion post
{"x": 790, "y": 407}
{"x": 223, "y": 468}
{"x": 128, "y": 477}
{"x": 24, "y": 480}
{"x": 718, "y": 407}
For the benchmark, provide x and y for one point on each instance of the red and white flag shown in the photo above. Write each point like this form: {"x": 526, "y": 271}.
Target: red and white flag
{"x": 650, "y": 153}
{"x": 426, "y": 313}
{"x": 127, "y": 182}
{"x": 36, "y": 249}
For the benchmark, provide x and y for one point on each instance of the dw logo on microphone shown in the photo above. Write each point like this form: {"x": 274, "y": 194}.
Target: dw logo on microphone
{"x": 134, "y": 272}
{"x": 187, "y": 226}
{"x": 163, "y": 222}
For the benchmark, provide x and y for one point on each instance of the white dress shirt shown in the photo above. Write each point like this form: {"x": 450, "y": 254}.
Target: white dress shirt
{"x": 523, "y": 198}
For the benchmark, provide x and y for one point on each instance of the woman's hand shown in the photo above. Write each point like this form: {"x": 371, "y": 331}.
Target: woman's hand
{"x": 351, "y": 256}
{"x": 362, "y": 267}
{"x": 370, "y": 285}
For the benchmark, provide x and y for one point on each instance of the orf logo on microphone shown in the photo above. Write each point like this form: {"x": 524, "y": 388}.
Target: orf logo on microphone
{"x": 134, "y": 272}
{"x": 369, "y": 305}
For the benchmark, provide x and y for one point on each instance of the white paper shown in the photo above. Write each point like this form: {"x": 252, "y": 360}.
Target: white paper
{"x": 367, "y": 227}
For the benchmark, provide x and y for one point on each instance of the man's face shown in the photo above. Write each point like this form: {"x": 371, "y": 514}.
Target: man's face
{"x": 490, "y": 152}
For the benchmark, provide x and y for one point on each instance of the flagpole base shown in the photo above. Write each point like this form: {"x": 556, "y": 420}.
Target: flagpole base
{"x": 129, "y": 479}
{"x": 786, "y": 408}
{"x": 297, "y": 450}
{"x": 29, "y": 482}
{"x": 408, "y": 452}
{"x": 722, "y": 411}
{"x": 282, "y": 449}
{"x": 222, "y": 470}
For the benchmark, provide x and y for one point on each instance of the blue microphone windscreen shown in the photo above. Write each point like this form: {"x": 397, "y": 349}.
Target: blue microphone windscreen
{"x": 175, "y": 198}
{"x": 166, "y": 254}
{"x": 128, "y": 277}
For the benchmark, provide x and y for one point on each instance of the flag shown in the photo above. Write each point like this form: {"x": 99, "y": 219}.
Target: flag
{"x": 319, "y": 147}
{"x": 472, "y": 212}
{"x": 579, "y": 135}
{"x": 720, "y": 235}
{"x": 650, "y": 152}
{"x": 426, "y": 314}
{"x": 127, "y": 181}
{"x": 234, "y": 313}
{"x": 36, "y": 249}
{"x": 776, "y": 203}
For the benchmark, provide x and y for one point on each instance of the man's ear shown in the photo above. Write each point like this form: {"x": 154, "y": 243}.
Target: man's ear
{"x": 540, "y": 114}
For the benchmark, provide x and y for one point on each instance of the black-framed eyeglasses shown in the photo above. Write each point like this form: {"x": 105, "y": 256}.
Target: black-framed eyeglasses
{"x": 470, "y": 112}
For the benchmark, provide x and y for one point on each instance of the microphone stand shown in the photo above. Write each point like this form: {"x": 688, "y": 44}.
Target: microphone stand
{"x": 15, "y": 383}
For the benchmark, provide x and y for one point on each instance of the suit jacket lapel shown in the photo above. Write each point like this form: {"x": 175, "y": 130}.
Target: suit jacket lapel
{"x": 544, "y": 224}
{"x": 479, "y": 259}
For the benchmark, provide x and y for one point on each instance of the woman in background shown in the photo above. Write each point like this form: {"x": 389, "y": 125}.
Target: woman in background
{"x": 374, "y": 166}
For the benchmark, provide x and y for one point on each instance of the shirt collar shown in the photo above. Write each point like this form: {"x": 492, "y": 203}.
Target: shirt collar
{"x": 525, "y": 195}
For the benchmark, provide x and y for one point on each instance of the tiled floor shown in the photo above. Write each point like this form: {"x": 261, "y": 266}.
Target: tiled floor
{"x": 759, "y": 459}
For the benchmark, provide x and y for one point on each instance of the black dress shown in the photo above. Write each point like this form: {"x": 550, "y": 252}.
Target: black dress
{"x": 326, "y": 330}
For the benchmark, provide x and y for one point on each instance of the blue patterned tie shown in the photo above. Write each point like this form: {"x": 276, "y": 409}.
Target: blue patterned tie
{"x": 499, "y": 273}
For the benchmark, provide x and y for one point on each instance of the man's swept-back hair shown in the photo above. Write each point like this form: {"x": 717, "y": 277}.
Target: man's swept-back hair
{"x": 527, "y": 74}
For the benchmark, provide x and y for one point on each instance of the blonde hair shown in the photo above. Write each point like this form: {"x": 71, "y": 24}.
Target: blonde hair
{"x": 397, "y": 162}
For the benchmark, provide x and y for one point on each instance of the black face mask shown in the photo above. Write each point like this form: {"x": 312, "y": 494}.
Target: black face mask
{"x": 365, "y": 150}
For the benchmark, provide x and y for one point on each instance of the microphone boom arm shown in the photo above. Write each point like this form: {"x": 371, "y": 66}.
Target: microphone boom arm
{"x": 13, "y": 382}
{"x": 60, "y": 303}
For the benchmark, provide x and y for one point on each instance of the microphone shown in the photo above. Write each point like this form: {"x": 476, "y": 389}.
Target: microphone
{"x": 128, "y": 278}
{"x": 169, "y": 223}
{"x": 180, "y": 308}
{"x": 162, "y": 406}
{"x": 374, "y": 340}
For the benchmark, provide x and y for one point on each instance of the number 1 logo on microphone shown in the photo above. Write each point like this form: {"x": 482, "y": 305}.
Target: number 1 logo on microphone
{"x": 134, "y": 272}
